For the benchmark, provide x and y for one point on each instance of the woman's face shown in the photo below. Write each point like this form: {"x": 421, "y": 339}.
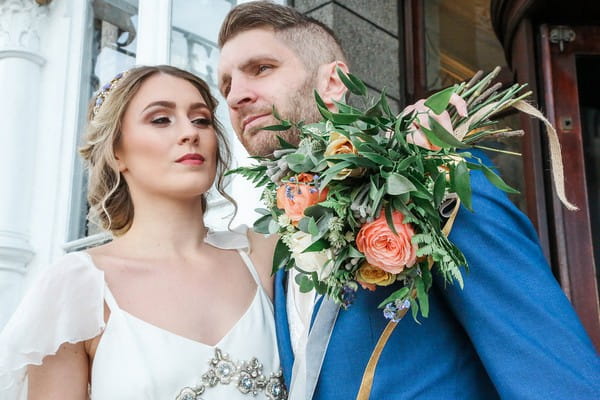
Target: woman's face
{"x": 168, "y": 145}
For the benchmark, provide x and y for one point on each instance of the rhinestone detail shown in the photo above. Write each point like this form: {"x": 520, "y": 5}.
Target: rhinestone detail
{"x": 247, "y": 376}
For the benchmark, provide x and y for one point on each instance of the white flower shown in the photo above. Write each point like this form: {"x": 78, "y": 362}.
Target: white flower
{"x": 314, "y": 261}
{"x": 283, "y": 220}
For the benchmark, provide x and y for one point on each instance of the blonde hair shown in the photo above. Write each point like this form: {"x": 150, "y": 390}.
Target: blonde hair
{"x": 312, "y": 41}
{"x": 108, "y": 194}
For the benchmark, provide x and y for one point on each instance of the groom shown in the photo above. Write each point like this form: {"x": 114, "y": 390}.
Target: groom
{"x": 511, "y": 332}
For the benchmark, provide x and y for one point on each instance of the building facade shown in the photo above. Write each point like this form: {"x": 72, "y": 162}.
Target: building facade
{"x": 54, "y": 54}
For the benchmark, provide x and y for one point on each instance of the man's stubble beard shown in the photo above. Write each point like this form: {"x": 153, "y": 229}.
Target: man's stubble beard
{"x": 299, "y": 106}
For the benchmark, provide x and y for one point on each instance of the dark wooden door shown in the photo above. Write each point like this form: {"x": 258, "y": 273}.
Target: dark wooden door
{"x": 571, "y": 85}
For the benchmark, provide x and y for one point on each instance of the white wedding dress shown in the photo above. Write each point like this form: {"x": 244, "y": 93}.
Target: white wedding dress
{"x": 135, "y": 359}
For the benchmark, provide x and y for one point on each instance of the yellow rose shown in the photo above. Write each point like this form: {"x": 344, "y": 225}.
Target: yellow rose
{"x": 369, "y": 275}
{"x": 340, "y": 144}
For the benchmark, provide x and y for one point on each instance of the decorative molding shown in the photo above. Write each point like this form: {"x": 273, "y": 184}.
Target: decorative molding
{"x": 87, "y": 242}
{"x": 15, "y": 251}
{"x": 24, "y": 54}
{"x": 19, "y": 24}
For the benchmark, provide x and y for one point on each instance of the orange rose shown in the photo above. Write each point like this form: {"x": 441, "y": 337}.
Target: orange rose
{"x": 294, "y": 198}
{"x": 340, "y": 144}
{"x": 416, "y": 135}
{"x": 369, "y": 275}
{"x": 384, "y": 249}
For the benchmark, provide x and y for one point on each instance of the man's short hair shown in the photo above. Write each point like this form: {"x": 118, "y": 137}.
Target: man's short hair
{"x": 312, "y": 41}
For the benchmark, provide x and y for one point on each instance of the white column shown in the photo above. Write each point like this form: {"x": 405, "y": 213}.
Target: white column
{"x": 20, "y": 69}
{"x": 154, "y": 32}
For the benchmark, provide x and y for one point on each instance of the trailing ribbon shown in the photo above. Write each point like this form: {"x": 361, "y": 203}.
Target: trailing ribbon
{"x": 364, "y": 392}
{"x": 555, "y": 153}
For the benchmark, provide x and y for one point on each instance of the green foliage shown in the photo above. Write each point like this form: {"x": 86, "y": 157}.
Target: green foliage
{"x": 388, "y": 175}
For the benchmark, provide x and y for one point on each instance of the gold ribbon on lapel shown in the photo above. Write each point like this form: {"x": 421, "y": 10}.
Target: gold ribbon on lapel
{"x": 366, "y": 384}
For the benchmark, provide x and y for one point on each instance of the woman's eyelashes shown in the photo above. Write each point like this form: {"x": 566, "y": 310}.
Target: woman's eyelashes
{"x": 160, "y": 120}
{"x": 202, "y": 122}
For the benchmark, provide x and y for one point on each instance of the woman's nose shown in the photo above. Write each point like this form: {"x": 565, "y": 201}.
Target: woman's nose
{"x": 189, "y": 134}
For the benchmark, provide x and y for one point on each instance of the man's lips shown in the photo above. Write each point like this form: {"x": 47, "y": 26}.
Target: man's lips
{"x": 249, "y": 120}
{"x": 191, "y": 159}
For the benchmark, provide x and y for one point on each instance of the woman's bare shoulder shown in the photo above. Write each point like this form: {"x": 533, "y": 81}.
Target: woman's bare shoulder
{"x": 261, "y": 244}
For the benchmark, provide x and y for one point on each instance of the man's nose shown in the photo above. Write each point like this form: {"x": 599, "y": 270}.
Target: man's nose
{"x": 240, "y": 94}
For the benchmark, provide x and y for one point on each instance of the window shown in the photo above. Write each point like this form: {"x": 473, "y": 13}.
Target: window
{"x": 459, "y": 41}
{"x": 118, "y": 40}
{"x": 111, "y": 49}
{"x": 448, "y": 41}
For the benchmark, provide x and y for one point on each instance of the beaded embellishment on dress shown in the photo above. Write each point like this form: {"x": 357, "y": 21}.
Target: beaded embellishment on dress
{"x": 247, "y": 376}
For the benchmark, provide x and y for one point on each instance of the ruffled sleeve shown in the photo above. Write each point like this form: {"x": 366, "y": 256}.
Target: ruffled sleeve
{"x": 64, "y": 304}
{"x": 233, "y": 239}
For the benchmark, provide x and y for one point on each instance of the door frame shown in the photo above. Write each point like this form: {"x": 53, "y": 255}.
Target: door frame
{"x": 573, "y": 246}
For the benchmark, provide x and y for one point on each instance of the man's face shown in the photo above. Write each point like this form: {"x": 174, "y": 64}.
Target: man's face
{"x": 256, "y": 72}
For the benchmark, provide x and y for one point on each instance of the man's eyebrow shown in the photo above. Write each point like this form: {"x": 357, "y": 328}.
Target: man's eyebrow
{"x": 249, "y": 63}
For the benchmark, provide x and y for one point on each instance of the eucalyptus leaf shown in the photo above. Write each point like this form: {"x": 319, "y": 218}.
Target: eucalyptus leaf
{"x": 389, "y": 219}
{"x": 352, "y": 86}
{"x": 377, "y": 158}
{"x": 497, "y": 181}
{"x": 439, "y": 189}
{"x": 423, "y": 298}
{"x": 303, "y": 224}
{"x": 361, "y": 86}
{"x": 281, "y": 256}
{"x": 318, "y": 245}
{"x": 313, "y": 229}
{"x": 353, "y": 252}
{"x": 277, "y": 128}
{"x": 306, "y": 284}
{"x": 439, "y": 136}
{"x": 342, "y": 118}
{"x": 397, "y": 184}
{"x": 439, "y": 101}
{"x": 284, "y": 144}
{"x": 261, "y": 225}
{"x": 462, "y": 184}
{"x": 398, "y": 294}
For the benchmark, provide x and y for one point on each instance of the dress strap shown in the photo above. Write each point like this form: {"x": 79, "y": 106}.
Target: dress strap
{"x": 110, "y": 299}
{"x": 251, "y": 267}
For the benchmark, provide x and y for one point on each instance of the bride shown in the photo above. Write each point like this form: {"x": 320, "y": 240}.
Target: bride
{"x": 167, "y": 310}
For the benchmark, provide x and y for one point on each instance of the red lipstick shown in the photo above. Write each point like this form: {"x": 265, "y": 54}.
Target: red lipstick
{"x": 191, "y": 159}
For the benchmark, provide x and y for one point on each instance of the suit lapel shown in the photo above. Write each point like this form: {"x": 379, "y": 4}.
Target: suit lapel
{"x": 324, "y": 317}
{"x": 284, "y": 344}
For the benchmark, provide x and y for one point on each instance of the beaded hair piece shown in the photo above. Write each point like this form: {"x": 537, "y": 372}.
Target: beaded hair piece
{"x": 105, "y": 91}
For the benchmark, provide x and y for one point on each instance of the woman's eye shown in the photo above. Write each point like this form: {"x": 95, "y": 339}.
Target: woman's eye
{"x": 202, "y": 122}
{"x": 161, "y": 120}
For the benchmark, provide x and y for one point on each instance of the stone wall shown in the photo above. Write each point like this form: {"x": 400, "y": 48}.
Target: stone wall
{"x": 371, "y": 36}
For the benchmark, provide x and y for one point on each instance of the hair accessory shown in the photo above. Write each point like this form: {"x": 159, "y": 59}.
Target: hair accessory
{"x": 104, "y": 91}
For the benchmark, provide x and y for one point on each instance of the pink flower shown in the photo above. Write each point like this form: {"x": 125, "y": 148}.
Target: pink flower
{"x": 416, "y": 135}
{"x": 384, "y": 249}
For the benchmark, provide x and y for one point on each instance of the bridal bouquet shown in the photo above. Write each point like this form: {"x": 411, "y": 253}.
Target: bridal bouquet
{"x": 362, "y": 200}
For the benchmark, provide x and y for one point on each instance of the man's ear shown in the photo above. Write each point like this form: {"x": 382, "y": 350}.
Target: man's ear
{"x": 329, "y": 85}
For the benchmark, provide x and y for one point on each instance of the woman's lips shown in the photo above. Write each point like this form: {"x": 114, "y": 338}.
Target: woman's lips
{"x": 191, "y": 159}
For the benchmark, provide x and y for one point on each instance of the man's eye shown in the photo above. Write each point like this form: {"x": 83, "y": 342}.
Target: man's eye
{"x": 202, "y": 122}
{"x": 161, "y": 120}
{"x": 263, "y": 68}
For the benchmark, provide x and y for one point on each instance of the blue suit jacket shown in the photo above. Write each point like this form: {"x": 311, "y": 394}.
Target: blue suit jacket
{"x": 511, "y": 332}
